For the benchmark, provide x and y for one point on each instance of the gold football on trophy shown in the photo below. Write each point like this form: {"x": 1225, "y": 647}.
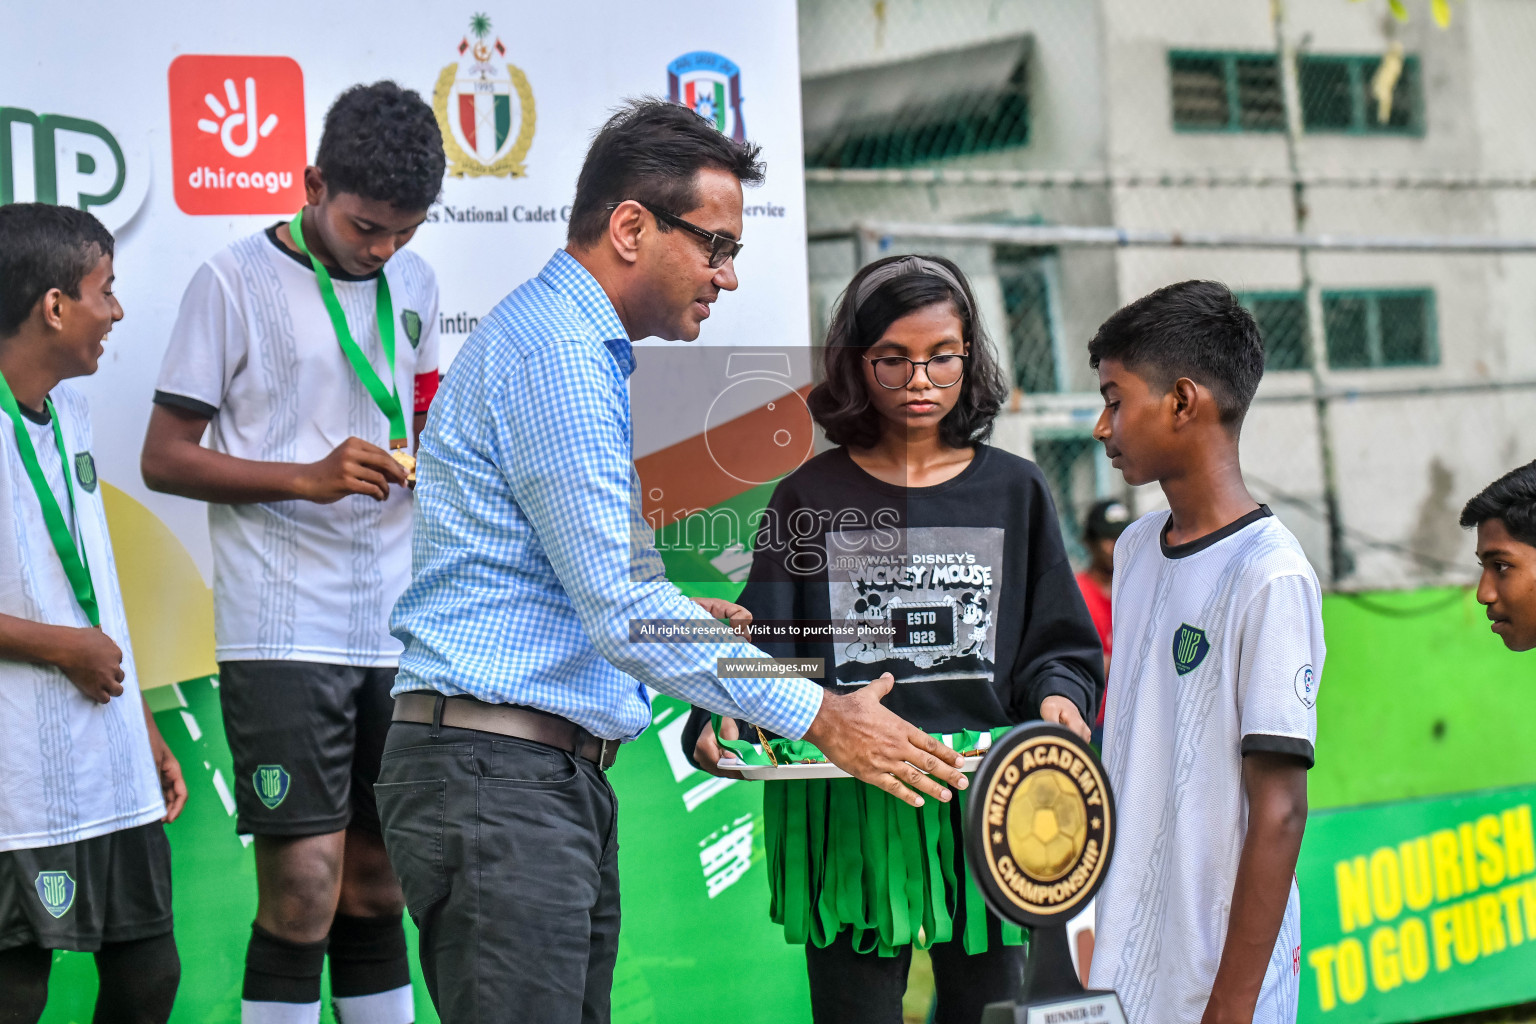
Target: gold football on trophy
{"x": 1047, "y": 825}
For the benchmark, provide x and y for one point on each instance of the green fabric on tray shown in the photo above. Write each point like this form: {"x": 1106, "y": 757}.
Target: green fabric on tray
{"x": 845, "y": 855}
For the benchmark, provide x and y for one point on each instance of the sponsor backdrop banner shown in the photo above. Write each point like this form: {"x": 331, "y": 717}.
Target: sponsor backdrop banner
{"x": 191, "y": 128}
{"x": 1420, "y": 909}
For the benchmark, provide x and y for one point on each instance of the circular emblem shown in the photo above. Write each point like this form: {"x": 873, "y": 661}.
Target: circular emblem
{"x": 1040, "y": 825}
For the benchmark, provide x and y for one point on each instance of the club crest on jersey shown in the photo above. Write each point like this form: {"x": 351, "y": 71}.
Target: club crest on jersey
{"x": 1306, "y": 685}
{"x": 271, "y": 782}
{"x": 85, "y": 472}
{"x": 1190, "y": 646}
{"x": 57, "y": 891}
{"x": 411, "y": 321}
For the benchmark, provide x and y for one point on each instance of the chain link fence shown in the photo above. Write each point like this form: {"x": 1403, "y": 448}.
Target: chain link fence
{"x": 1072, "y": 156}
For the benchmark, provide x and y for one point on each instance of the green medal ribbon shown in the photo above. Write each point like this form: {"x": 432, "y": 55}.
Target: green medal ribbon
{"x": 387, "y": 399}
{"x": 845, "y": 856}
{"x": 76, "y": 566}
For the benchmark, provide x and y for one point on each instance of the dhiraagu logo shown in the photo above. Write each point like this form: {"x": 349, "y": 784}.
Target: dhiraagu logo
{"x": 69, "y": 161}
{"x": 271, "y": 782}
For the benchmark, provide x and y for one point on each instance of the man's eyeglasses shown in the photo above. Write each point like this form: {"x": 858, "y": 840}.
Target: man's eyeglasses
{"x": 896, "y": 372}
{"x": 721, "y": 247}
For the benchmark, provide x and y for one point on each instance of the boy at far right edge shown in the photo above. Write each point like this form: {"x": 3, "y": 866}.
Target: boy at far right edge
{"x": 1210, "y": 724}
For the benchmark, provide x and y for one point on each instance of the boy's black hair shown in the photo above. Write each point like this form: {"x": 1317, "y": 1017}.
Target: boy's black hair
{"x": 43, "y": 246}
{"x": 840, "y": 403}
{"x": 382, "y": 142}
{"x": 1512, "y": 499}
{"x": 1194, "y": 329}
{"x": 651, "y": 151}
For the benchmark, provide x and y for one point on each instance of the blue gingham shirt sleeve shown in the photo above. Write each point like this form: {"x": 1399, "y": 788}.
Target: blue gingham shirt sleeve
{"x": 570, "y": 471}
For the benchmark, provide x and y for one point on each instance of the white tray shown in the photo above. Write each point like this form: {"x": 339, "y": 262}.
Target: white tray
{"x": 817, "y": 770}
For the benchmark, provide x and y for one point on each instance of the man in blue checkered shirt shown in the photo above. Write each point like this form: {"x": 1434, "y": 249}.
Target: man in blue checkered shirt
{"x": 531, "y": 559}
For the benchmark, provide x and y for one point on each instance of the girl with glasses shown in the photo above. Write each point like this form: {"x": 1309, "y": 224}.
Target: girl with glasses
{"x": 938, "y": 559}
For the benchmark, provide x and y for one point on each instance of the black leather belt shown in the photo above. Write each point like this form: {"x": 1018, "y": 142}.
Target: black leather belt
{"x": 508, "y": 720}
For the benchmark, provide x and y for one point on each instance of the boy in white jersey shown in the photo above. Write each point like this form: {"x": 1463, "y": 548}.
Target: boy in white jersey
{"x": 85, "y": 779}
{"x": 1210, "y": 724}
{"x": 299, "y": 350}
{"x": 1504, "y": 515}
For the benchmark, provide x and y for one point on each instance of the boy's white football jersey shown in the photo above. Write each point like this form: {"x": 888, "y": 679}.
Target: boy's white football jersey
{"x": 1218, "y": 654}
{"x": 72, "y": 768}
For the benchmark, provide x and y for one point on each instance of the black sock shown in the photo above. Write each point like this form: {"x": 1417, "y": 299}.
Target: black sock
{"x": 368, "y": 955}
{"x": 138, "y": 981}
{"x": 24, "y": 983}
{"x": 279, "y": 971}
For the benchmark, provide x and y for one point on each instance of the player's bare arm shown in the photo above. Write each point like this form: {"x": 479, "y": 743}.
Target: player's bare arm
{"x": 1061, "y": 711}
{"x": 90, "y": 658}
{"x": 1276, "y": 785}
{"x": 172, "y": 785}
{"x": 175, "y": 462}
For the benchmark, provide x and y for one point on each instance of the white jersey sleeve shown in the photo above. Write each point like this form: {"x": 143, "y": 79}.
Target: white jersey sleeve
{"x": 1279, "y": 666}
{"x": 208, "y": 345}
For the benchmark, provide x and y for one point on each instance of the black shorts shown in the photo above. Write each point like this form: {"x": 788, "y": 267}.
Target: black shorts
{"x": 111, "y": 888}
{"x": 306, "y": 741}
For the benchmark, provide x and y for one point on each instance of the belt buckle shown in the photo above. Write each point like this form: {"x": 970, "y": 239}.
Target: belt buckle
{"x": 603, "y": 764}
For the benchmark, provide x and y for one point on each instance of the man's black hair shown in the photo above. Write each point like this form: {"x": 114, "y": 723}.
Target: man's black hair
{"x": 840, "y": 403}
{"x": 651, "y": 151}
{"x": 1512, "y": 499}
{"x": 1194, "y": 329}
{"x": 43, "y": 247}
{"x": 382, "y": 142}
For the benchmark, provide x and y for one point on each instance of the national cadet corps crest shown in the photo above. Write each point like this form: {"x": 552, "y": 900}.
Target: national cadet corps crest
{"x": 1041, "y": 831}
{"x": 484, "y": 108}
{"x": 710, "y": 86}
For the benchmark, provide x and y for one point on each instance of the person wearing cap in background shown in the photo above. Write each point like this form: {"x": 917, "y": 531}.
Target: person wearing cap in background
{"x": 1106, "y": 520}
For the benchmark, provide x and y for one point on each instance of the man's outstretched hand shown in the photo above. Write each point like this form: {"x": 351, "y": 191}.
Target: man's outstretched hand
{"x": 864, "y": 739}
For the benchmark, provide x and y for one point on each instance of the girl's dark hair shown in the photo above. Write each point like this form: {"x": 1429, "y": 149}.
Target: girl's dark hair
{"x": 840, "y": 404}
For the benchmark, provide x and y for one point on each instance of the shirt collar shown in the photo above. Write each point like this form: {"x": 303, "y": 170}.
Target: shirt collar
{"x": 568, "y": 277}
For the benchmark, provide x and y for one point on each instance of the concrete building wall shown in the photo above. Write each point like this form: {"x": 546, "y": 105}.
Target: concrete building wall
{"x": 1101, "y": 101}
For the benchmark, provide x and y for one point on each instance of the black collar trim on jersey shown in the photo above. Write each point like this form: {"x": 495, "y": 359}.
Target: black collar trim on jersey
{"x": 38, "y": 416}
{"x": 1201, "y": 543}
{"x": 337, "y": 274}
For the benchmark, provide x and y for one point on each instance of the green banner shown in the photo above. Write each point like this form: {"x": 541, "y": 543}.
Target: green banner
{"x": 1419, "y": 909}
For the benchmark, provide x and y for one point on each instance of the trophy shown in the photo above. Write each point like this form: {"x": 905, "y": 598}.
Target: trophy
{"x": 1039, "y": 832}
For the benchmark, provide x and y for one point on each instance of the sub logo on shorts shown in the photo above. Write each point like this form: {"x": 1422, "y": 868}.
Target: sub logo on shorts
{"x": 1190, "y": 646}
{"x": 271, "y": 782}
{"x": 57, "y": 891}
{"x": 411, "y": 321}
{"x": 1306, "y": 685}
{"x": 85, "y": 472}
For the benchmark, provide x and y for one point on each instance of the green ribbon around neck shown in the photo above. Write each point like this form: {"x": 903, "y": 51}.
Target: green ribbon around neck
{"x": 76, "y": 566}
{"x": 387, "y": 399}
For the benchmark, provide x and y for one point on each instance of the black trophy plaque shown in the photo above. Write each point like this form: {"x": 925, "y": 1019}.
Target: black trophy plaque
{"x": 1039, "y": 832}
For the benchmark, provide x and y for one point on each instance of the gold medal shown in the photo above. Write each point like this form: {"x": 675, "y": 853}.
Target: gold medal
{"x": 408, "y": 463}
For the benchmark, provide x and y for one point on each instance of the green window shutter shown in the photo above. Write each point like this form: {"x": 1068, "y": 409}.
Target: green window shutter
{"x": 1407, "y": 329}
{"x": 1200, "y": 94}
{"x": 1026, "y": 301}
{"x": 1282, "y": 320}
{"x": 1260, "y": 100}
{"x": 1346, "y": 326}
{"x": 1327, "y": 94}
